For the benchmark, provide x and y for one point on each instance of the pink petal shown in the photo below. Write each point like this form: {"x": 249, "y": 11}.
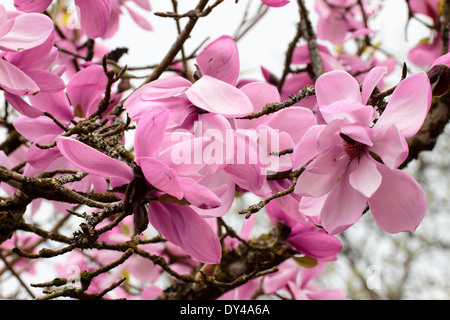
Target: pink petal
{"x": 429, "y": 8}
{"x": 259, "y": 93}
{"x": 220, "y": 59}
{"x": 343, "y": 207}
{"x": 399, "y": 204}
{"x": 144, "y": 4}
{"x": 223, "y": 186}
{"x": 220, "y": 97}
{"x": 22, "y": 106}
{"x": 353, "y": 111}
{"x": 372, "y": 79}
{"x": 15, "y": 80}
{"x": 287, "y": 120}
{"x": 140, "y": 20}
{"x": 408, "y": 106}
{"x": 365, "y": 177}
{"x": 150, "y": 132}
{"x": 246, "y": 169}
{"x": 335, "y": 86}
{"x": 47, "y": 81}
{"x": 94, "y": 16}
{"x": 92, "y": 161}
{"x": 85, "y": 88}
{"x": 358, "y": 133}
{"x": 163, "y": 88}
{"x": 444, "y": 59}
{"x": 42, "y": 159}
{"x": 199, "y": 195}
{"x": 424, "y": 54}
{"x": 54, "y": 103}
{"x": 151, "y": 292}
{"x": 314, "y": 184}
{"x": 29, "y": 30}
{"x": 391, "y": 147}
{"x": 275, "y": 3}
{"x": 307, "y": 148}
{"x": 183, "y": 227}
{"x": 332, "y": 27}
{"x": 34, "y": 128}
{"x": 310, "y": 241}
{"x": 38, "y": 6}
{"x": 161, "y": 176}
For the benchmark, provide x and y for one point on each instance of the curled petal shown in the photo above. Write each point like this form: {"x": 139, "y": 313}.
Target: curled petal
{"x": 186, "y": 229}
{"x": 15, "y": 80}
{"x": 310, "y": 241}
{"x": 93, "y": 161}
{"x": 217, "y": 96}
{"x": 391, "y": 147}
{"x": 199, "y": 195}
{"x": 220, "y": 59}
{"x": 22, "y": 106}
{"x": 161, "y": 176}
{"x": 351, "y": 110}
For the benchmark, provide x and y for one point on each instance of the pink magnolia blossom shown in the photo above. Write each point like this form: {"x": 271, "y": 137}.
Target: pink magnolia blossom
{"x": 215, "y": 92}
{"x": 429, "y": 49}
{"x": 18, "y": 33}
{"x": 337, "y": 18}
{"x": 343, "y": 176}
{"x": 180, "y": 224}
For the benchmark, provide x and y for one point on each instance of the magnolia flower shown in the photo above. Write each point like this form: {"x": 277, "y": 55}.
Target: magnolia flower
{"x": 343, "y": 175}
{"x": 175, "y": 218}
{"x": 213, "y": 101}
{"x": 337, "y": 18}
{"x": 428, "y": 49}
{"x": 20, "y": 32}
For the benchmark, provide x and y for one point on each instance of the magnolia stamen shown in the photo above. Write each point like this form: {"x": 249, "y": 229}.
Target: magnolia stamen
{"x": 353, "y": 148}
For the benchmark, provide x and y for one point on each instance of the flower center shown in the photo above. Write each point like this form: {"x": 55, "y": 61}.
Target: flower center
{"x": 353, "y": 148}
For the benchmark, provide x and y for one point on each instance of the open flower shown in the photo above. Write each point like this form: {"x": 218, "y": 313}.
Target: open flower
{"x": 18, "y": 33}
{"x": 343, "y": 175}
{"x": 172, "y": 192}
